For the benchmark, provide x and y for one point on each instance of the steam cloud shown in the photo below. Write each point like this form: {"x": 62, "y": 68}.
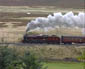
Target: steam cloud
{"x": 68, "y": 20}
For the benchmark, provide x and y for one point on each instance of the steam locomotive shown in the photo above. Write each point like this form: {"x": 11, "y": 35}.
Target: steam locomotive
{"x": 53, "y": 39}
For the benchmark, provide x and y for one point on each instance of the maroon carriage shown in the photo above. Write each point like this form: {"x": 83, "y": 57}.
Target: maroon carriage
{"x": 72, "y": 39}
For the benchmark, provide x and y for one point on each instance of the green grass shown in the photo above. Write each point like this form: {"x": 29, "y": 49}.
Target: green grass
{"x": 59, "y": 65}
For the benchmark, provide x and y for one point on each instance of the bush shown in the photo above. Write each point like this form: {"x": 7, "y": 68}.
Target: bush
{"x": 9, "y": 59}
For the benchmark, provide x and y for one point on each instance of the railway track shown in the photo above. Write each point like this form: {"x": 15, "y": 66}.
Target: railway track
{"x": 33, "y": 44}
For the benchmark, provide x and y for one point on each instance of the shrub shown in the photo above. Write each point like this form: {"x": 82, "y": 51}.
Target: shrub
{"x": 9, "y": 59}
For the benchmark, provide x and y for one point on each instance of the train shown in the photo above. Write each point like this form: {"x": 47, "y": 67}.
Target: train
{"x": 53, "y": 39}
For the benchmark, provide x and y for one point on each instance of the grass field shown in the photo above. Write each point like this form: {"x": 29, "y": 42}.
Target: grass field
{"x": 60, "y": 65}
{"x": 50, "y": 52}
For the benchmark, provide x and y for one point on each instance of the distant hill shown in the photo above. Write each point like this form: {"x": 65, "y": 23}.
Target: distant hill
{"x": 58, "y": 3}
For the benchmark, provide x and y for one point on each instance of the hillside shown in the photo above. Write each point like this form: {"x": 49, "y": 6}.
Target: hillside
{"x": 57, "y": 3}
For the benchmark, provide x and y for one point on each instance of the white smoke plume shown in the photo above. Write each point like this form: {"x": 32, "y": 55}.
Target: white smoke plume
{"x": 58, "y": 20}
{"x": 83, "y": 31}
